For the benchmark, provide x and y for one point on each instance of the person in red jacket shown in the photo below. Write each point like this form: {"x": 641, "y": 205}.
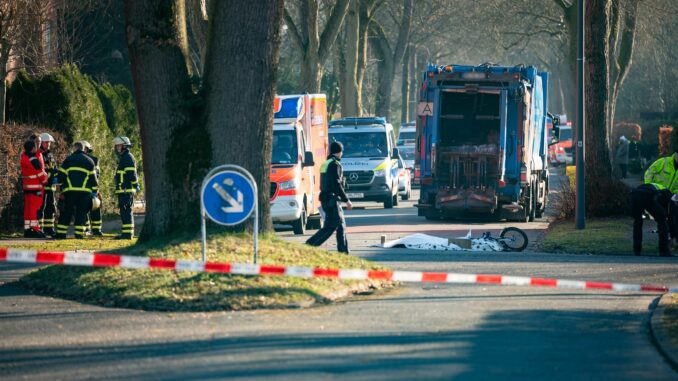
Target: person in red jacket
{"x": 34, "y": 180}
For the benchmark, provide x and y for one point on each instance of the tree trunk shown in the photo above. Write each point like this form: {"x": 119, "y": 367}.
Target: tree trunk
{"x": 405, "y": 88}
{"x": 163, "y": 93}
{"x": 390, "y": 59}
{"x": 414, "y": 84}
{"x": 598, "y": 165}
{"x": 240, "y": 88}
{"x": 196, "y": 14}
{"x": 315, "y": 47}
{"x": 349, "y": 73}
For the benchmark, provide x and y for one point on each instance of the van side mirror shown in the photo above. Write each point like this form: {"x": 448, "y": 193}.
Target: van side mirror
{"x": 396, "y": 153}
{"x": 308, "y": 159}
{"x": 555, "y": 135}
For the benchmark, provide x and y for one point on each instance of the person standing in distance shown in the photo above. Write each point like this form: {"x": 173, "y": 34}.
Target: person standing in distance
{"x": 126, "y": 185}
{"x": 79, "y": 185}
{"x": 331, "y": 195}
{"x": 95, "y": 220}
{"x": 48, "y": 208}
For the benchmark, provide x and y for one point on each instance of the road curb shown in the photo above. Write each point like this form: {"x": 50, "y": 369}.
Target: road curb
{"x": 660, "y": 336}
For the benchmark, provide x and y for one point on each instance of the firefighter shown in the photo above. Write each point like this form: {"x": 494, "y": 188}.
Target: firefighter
{"x": 34, "y": 179}
{"x": 655, "y": 199}
{"x": 46, "y": 214}
{"x": 79, "y": 184}
{"x": 126, "y": 185}
{"x": 95, "y": 220}
{"x": 331, "y": 195}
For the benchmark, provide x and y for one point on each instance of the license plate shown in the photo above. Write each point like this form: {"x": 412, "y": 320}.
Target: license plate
{"x": 355, "y": 195}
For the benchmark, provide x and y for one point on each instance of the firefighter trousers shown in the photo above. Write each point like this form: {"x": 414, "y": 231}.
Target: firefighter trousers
{"x": 47, "y": 211}
{"x": 76, "y": 206}
{"x": 334, "y": 221}
{"x": 125, "y": 203}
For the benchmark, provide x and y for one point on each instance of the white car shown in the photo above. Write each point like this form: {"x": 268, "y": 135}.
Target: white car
{"x": 407, "y": 154}
{"x": 404, "y": 179}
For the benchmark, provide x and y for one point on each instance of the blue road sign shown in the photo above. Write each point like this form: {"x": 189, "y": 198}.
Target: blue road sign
{"x": 228, "y": 197}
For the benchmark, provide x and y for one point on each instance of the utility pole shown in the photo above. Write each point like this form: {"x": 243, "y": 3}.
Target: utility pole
{"x": 580, "y": 208}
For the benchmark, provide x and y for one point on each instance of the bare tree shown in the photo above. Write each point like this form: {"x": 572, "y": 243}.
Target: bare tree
{"x": 390, "y": 56}
{"x": 315, "y": 47}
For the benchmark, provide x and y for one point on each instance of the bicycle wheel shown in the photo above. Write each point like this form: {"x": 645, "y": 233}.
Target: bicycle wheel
{"x": 513, "y": 239}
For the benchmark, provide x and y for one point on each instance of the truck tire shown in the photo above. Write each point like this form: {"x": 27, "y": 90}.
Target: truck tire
{"x": 299, "y": 226}
{"x": 388, "y": 202}
{"x": 534, "y": 193}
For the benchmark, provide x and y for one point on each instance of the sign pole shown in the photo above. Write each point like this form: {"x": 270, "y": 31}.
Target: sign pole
{"x": 256, "y": 222}
{"x": 203, "y": 233}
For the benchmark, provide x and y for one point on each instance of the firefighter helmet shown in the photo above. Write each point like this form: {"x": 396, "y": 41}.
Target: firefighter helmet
{"x": 85, "y": 145}
{"x": 45, "y": 137}
{"x": 96, "y": 203}
{"x": 124, "y": 140}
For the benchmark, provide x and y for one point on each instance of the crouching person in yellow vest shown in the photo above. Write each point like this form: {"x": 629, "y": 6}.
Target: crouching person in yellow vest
{"x": 126, "y": 185}
{"x": 664, "y": 172}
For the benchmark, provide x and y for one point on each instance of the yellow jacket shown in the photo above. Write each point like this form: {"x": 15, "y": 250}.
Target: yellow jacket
{"x": 663, "y": 172}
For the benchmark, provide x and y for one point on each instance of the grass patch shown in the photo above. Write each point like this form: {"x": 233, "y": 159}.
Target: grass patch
{"x": 601, "y": 236}
{"x": 161, "y": 290}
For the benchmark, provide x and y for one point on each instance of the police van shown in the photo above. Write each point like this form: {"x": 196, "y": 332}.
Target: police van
{"x": 370, "y": 158}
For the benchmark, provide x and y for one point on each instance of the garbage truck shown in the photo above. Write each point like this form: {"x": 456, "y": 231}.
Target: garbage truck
{"x": 482, "y": 142}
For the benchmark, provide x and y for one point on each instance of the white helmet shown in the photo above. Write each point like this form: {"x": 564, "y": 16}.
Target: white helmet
{"x": 124, "y": 140}
{"x": 45, "y": 137}
{"x": 85, "y": 144}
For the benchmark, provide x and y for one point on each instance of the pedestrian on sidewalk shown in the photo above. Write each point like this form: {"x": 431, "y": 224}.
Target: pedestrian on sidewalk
{"x": 622, "y": 155}
{"x": 331, "y": 195}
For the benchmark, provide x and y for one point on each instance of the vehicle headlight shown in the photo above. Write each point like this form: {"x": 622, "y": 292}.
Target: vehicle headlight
{"x": 380, "y": 173}
{"x": 289, "y": 184}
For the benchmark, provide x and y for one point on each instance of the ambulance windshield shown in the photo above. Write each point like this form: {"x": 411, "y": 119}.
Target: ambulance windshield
{"x": 284, "y": 147}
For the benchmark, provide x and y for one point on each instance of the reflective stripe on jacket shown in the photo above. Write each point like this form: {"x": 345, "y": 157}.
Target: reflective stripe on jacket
{"x": 77, "y": 174}
{"x": 663, "y": 172}
{"x": 33, "y": 172}
{"x": 126, "y": 179}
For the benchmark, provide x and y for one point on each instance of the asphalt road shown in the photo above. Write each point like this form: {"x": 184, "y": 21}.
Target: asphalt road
{"x": 417, "y": 331}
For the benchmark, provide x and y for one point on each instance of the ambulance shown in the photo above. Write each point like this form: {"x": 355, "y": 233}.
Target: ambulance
{"x": 299, "y": 149}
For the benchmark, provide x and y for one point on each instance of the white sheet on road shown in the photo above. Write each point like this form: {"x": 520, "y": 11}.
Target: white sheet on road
{"x": 429, "y": 242}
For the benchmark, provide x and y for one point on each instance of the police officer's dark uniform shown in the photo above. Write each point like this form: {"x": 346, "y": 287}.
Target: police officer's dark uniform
{"x": 126, "y": 185}
{"x": 95, "y": 220}
{"x": 79, "y": 184}
{"x": 655, "y": 199}
{"x": 331, "y": 195}
{"x": 49, "y": 203}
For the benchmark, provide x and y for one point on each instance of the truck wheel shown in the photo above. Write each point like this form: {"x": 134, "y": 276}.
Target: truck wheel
{"x": 388, "y": 202}
{"x": 299, "y": 226}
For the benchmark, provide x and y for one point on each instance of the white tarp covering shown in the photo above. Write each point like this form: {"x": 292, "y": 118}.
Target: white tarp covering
{"x": 429, "y": 242}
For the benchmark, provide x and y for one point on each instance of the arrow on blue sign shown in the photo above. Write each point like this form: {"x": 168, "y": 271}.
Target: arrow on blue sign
{"x": 228, "y": 197}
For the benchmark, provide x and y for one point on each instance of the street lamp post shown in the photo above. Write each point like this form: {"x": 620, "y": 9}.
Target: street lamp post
{"x": 580, "y": 208}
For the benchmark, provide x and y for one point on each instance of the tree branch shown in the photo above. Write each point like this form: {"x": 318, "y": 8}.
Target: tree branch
{"x": 292, "y": 29}
{"x": 332, "y": 28}
{"x": 403, "y": 32}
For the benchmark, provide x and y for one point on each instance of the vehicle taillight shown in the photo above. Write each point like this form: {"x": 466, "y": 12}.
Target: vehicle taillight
{"x": 427, "y": 180}
{"x": 523, "y": 175}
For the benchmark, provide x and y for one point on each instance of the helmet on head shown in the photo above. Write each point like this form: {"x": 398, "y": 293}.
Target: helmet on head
{"x": 45, "y": 137}
{"x": 124, "y": 140}
{"x": 85, "y": 145}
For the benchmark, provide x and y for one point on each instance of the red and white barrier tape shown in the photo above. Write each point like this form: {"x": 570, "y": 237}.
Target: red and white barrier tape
{"x": 132, "y": 262}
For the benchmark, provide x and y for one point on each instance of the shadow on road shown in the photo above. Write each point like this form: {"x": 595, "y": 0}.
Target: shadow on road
{"x": 514, "y": 344}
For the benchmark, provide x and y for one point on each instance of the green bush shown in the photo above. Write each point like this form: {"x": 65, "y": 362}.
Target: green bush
{"x": 71, "y": 102}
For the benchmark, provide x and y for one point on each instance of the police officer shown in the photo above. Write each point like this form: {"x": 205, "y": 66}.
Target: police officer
{"x": 655, "y": 199}
{"x": 95, "y": 220}
{"x": 79, "y": 184}
{"x": 331, "y": 195}
{"x": 126, "y": 185}
{"x": 49, "y": 202}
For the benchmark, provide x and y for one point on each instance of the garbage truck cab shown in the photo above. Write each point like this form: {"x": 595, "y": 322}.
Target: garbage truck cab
{"x": 370, "y": 158}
